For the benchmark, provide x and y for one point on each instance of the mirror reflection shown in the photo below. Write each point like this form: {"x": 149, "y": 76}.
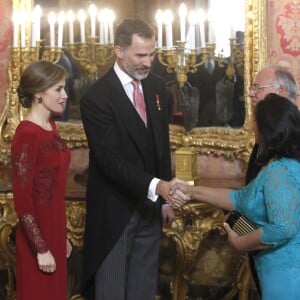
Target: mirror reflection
{"x": 205, "y": 79}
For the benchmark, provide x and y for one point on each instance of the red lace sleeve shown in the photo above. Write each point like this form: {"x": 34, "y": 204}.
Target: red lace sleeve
{"x": 23, "y": 156}
{"x": 33, "y": 234}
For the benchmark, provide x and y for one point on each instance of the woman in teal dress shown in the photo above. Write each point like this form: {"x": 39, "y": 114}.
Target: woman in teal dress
{"x": 271, "y": 201}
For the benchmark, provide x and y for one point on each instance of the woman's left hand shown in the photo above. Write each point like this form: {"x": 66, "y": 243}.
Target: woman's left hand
{"x": 233, "y": 238}
{"x": 69, "y": 248}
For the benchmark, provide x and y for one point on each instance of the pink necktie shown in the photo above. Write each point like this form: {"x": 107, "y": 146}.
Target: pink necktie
{"x": 139, "y": 102}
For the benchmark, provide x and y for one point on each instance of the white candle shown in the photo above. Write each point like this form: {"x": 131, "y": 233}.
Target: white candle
{"x": 212, "y": 38}
{"x": 211, "y": 32}
{"x": 101, "y": 33}
{"x": 232, "y": 31}
{"x": 192, "y": 20}
{"x": 36, "y": 16}
{"x": 105, "y": 32}
{"x": 168, "y": 19}
{"x": 93, "y": 13}
{"x": 82, "y": 18}
{"x": 111, "y": 26}
{"x": 70, "y": 18}
{"x": 33, "y": 33}
{"x": 201, "y": 26}
{"x": 60, "y": 20}
{"x": 23, "y": 20}
{"x": 105, "y": 15}
{"x": 15, "y": 22}
{"x": 182, "y": 17}
{"x": 159, "y": 21}
{"x": 101, "y": 27}
{"x": 52, "y": 21}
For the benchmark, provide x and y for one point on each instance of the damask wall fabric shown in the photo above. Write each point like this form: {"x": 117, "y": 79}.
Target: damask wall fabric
{"x": 5, "y": 37}
{"x": 283, "y": 27}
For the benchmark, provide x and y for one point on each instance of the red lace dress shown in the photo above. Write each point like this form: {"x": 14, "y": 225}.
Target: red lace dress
{"x": 40, "y": 161}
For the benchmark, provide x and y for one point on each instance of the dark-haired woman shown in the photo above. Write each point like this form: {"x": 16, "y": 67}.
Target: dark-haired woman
{"x": 40, "y": 161}
{"x": 271, "y": 201}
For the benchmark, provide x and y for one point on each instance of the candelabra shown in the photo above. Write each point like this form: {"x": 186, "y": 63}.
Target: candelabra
{"x": 90, "y": 53}
{"x": 182, "y": 61}
{"x": 179, "y": 60}
{"x": 90, "y": 56}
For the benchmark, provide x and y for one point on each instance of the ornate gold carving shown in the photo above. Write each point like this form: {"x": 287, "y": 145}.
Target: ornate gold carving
{"x": 186, "y": 163}
{"x": 243, "y": 281}
{"x": 8, "y": 222}
{"x": 75, "y": 221}
{"x": 192, "y": 224}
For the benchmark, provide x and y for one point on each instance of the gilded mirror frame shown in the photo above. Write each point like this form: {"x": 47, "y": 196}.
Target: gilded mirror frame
{"x": 231, "y": 143}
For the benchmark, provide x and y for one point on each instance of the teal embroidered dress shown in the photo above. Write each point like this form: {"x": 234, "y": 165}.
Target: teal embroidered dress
{"x": 272, "y": 202}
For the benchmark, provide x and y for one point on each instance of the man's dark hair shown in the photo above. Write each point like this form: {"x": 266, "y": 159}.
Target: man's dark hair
{"x": 278, "y": 124}
{"x": 129, "y": 27}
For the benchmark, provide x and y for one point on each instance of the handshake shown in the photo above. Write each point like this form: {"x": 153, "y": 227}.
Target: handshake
{"x": 176, "y": 192}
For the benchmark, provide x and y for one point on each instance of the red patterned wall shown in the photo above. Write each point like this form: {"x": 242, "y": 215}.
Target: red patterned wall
{"x": 5, "y": 35}
{"x": 283, "y": 24}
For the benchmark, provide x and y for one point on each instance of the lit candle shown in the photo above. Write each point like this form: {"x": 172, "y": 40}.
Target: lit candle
{"x": 36, "y": 16}
{"x": 52, "y": 21}
{"x": 82, "y": 17}
{"x": 201, "y": 26}
{"x": 211, "y": 32}
{"x": 159, "y": 21}
{"x": 105, "y": 22}
{"x": 15, "y": 21}
{"x": 168, "y": 19}
{"x": 93, "y": 13}
{"x": 60, "y": 20}
{"x": 23, "y": 20}
{"x": 192, "y": 20}
{"x": 232, "y": 31}
{"x": 101, "y": 18}
{"x": 111, "y": 19}
{"x": 33, "y": 33}
{"x": 182, "y": 16}
{"x": 70, "y": 18}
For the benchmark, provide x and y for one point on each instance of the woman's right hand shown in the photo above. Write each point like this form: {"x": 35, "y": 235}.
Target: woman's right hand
{"x": 182, "y": 187}
{"x": 46, "y": 262}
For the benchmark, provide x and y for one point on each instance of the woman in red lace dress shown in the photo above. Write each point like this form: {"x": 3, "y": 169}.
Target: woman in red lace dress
{"x": 40, "y": 161}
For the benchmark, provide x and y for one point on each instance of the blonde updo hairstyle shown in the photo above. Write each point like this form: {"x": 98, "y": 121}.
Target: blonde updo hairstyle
{"x": 36, "y": 78}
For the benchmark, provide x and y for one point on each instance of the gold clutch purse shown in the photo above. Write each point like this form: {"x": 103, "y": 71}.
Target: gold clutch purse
{"x": 239, "y": 223}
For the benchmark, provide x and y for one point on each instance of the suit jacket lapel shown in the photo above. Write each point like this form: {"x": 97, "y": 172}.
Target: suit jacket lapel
{"x": 124, "y": 108}
{"x": 127, "y": 112}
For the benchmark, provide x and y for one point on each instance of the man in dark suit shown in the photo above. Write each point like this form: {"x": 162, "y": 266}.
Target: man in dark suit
{"x": 271, "y": 79}
{"x": 206, "y": 79}
{"x": 129, "y": 170}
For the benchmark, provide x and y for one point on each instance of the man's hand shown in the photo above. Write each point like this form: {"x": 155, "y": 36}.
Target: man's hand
{"x": 168, "y": 215}
{"x": 46, "y": 262}
{"x": 164, "y": 188}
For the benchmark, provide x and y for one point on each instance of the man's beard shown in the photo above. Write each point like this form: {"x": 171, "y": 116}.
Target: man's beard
{"x": 133, "y": 72}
